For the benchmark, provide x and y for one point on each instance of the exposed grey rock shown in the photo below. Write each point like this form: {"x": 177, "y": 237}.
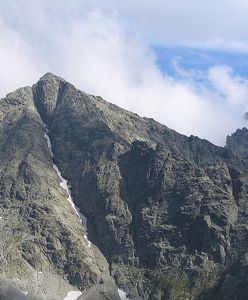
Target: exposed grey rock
{"x": 42, "y": 240}
{"x": 168, "y": 212}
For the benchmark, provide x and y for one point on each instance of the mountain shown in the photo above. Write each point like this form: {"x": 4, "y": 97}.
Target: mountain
{"x": 167, "y": 214}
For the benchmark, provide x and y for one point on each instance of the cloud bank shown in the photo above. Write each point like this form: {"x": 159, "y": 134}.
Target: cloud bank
{"x": 96, "y": 47}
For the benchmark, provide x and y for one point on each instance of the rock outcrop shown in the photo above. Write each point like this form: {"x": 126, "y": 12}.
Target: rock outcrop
{"x": 168, "y": 212}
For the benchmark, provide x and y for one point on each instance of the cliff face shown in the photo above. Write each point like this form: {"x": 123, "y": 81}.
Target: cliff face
{"x": 168, "y": 212}
{"x": 43, "y": 250}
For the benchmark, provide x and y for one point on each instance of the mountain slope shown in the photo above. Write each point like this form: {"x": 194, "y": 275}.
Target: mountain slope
{"x": 42, "y": 243}
{"x": 168, "y": 212}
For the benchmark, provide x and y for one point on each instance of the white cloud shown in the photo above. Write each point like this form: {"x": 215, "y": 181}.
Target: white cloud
{"x": 218, "y": 24}
{"x": 16, "y": 67}
{"x": 93, "y": 48}
{"x": 232, "y": 87}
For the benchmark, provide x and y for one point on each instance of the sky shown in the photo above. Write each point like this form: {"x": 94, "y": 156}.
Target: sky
{"x": 183, "y": 63}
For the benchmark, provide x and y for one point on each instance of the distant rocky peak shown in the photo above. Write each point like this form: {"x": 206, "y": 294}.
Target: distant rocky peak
{"x": 238, "y": 142}
{"x": 245, "y": 116}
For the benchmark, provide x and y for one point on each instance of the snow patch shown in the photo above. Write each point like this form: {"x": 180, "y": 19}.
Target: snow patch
{"x": 122, "y": 295}
{"x": 66, "y": 187}
{"x": 49, "y": 144}
{"x": 73, "y": 295}
{"x": 25, "y": 293}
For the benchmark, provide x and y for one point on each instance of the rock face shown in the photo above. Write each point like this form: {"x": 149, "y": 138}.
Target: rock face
{"x": 168, "y": 212}
{"x": 43, "y": 251}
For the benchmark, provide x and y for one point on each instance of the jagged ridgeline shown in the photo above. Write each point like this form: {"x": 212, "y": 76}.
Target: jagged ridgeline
{"x": 167, "y": 214}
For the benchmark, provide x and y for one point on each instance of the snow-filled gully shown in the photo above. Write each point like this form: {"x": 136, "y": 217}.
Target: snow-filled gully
{"x": 66, "y": 187}
{"x": 74, "y": 295}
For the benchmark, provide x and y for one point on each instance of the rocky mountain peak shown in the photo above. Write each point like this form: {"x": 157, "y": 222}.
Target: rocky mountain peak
{"x": 167, "y": 214}
{"x": 238, "y": 142}
{"x": 46, "y": 94}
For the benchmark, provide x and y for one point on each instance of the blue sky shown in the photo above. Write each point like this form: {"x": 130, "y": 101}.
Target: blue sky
{"x": 183, "y": 63}
{"x": 191, "y": 58}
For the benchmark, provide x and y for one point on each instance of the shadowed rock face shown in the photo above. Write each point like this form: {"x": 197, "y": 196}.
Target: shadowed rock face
{"x": 169, "y": 212}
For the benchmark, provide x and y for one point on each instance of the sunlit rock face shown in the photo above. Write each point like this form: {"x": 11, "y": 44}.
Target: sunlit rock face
{"x": 44, "y": 251}
{"x": 166, "y": 214}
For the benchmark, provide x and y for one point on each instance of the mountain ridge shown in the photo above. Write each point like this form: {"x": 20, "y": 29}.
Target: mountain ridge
{"x": 167, "y": 211}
